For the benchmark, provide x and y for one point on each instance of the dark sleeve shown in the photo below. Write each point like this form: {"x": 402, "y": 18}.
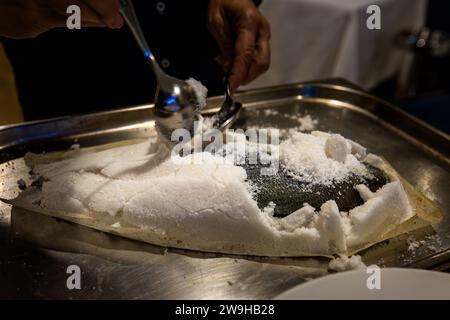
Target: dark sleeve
{"x": 64, "y": 72}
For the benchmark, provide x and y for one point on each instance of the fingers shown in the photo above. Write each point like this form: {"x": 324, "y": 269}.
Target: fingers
{"x": 108, "y": 11}
{"x": 261, "y": 57}
{"x": 243, "y": 55}
{"x": 34, "y": 17}
{"x": 222, "y": 33}
{"x": 90, "y": 15}
{"x": 252, "y": 50}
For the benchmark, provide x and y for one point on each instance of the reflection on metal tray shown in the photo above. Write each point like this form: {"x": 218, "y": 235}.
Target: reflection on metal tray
{"x": 34, "y": 263}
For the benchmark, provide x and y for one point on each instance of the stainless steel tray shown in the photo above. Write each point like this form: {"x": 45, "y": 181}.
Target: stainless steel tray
{"x": 35, "y": 250}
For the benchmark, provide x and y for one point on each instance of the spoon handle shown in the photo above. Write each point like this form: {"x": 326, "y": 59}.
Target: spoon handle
{"x": 129, "y": 14}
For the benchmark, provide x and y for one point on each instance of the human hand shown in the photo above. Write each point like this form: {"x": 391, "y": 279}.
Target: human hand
{"x": 243, "y": 35}
{"x": 29, "y": 18}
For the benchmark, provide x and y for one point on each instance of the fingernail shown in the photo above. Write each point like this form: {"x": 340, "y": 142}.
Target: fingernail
{"x": 118, "y": 23}
{"x": 115, "y": 23}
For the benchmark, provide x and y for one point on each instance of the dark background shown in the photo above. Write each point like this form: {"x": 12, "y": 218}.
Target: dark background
{"x": 430, "y": 99}
{"x": 64, "y": 73}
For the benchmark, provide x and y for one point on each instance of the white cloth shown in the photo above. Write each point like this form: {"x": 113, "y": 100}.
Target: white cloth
{"x": 318, "y": 39}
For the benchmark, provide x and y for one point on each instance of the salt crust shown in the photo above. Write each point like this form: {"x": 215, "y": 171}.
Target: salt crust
{"x": 212, "y": 203}
{"x": 345, "y": 263}
{"x": 200, "y": 91}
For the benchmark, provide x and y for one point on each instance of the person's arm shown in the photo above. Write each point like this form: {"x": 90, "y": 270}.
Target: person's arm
{"x": 243, "y": 35}
{"x": 29, "y": 18}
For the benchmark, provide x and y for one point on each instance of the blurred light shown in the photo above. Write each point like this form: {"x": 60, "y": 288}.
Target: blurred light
{"x": 421, "y": 43}
{"x": 309, "y": 91}
{"x": 171, "y": 100}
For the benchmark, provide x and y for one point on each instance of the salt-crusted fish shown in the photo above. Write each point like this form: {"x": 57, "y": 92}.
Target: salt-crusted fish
{"x": 327, "y": 197}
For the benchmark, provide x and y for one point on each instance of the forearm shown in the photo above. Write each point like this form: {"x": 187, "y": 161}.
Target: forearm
{"x": 243, "y": 36}
{"x": 29, "y": 18}
{"x": 16, "y": 19}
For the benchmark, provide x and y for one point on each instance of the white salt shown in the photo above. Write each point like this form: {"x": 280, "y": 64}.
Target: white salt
{"x": 413, "y": 243}
{"x": 337, "y": 148}
{"x": 307, "y": 123}
{"x": 303, "y": 123}
{"x": 75, "y": 147}
{"x": 211, "y": 205}
{"x": 200, "y": 91}
{"x": 305, "y": 157}
{"x": 346, "y": 263}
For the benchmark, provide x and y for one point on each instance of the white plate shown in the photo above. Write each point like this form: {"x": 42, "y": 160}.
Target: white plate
{"x": 395, "y": 283}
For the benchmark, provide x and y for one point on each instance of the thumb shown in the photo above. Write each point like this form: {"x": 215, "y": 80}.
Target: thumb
{"x": 221, "y": 32}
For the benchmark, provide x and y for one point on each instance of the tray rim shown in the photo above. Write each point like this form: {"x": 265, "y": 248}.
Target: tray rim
{"x": 240, "y": 94}
{"x": 338, "y": 85}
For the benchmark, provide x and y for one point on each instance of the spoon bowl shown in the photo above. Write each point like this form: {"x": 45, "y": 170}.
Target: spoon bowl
{"x": 176, "y": 106}
{"x": 176, "y": 102}
{"x": 229, "y": 112}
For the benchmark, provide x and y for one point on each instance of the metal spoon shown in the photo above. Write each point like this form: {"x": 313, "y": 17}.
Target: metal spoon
{"x": 229, "y": 112}
{"x": 176, "y": 102}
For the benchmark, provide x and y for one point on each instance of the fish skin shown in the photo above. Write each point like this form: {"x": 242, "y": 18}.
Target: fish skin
{"x": 289, "y": 193}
